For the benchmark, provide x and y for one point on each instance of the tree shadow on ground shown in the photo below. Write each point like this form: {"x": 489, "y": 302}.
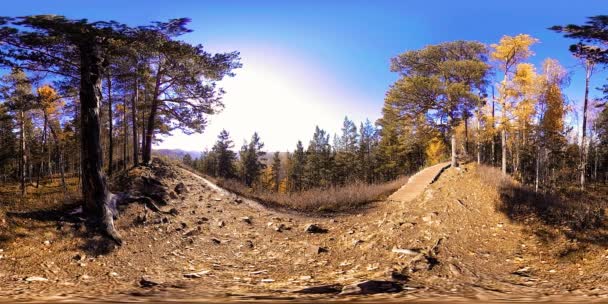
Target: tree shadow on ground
{"x": 66, "y": 219}
{"x": 574, "y": 214}
{"x": 568, "y": 213}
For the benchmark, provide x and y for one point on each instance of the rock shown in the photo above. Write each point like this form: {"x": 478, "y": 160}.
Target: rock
{"x": 249, "y": 244}
{"x": 180, "y": 188}
{"x": 406, "y": 251}
{"x": 196, "y": 275}
{"x": 79, "y": 257}
{"x": 266, "y": 280}
{"x": 194, "y": 231}
{"x": 47, "y": 243}
{"x": 524, "y": 271}
{"x": 147, "y": 281}
{"x": 313, "y": 249}
{"x": 454, "y": 270}
{"x": 357, "y": 242}
{"x": 84, "y": 277}
{"x": 112, "y": 274}
{"x": 173, "y": 195}
{"x": 215, "y": 241}
{"x": 246, "y": 219}
{"x": 221, "y": 224}
{"x": 371, "y": 287}
{"x": 314, "y": 228}
{"x": 173, "y": 212}
{"x": 398, "y": 276}
{"x": 238, "y": 200}
{"x": 322, "y": 289}
{"x": 36, "y": 279}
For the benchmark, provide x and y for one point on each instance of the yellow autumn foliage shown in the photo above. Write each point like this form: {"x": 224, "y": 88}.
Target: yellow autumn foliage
{"x": 435, "y": 151}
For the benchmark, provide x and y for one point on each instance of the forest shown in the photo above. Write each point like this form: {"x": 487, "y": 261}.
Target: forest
{"x": 480, "y": 176}
{"x": 445, "y": 105}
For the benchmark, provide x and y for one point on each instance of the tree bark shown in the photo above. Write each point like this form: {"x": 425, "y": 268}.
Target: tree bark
{"x": 110, "y": 137}
{"x": 134, "y": 118}
{"x": 97, "y": 197}
{"x": 125, "y": 130}
{"x": 503, "y": 136}
{"x": 454, "y": 163}
{"x": 147, "y": 153}
{"x": 41, "y": 165}
{"x": 588, "y": 68}
{"x": 23, "y": 160}
{"x": 60, "y": 152}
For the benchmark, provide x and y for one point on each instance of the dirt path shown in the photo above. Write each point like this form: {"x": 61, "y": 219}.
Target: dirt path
{"x": 221, "y": 248}
{"x": 417, "y": 183}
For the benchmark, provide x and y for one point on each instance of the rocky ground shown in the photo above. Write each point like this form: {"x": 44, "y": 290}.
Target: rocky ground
{"x": 449, "y": 244}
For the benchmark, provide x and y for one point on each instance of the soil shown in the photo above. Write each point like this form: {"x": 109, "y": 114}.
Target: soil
{"x": 448, "y": 244}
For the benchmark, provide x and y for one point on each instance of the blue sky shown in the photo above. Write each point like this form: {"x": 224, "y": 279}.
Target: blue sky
{"x": 313, "y": 62}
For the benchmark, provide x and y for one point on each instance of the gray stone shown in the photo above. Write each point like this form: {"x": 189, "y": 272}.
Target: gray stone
{"x": 314, "y": 228}
{"x": 372, "y": 287}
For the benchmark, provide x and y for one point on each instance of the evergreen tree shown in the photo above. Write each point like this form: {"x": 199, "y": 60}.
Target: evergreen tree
{"x": 297, "y": 168}
{"x": 17, "y": 90}
{"x": 8, "y": 142}
{"x": 251, "y": 160}
{"x": 223, "y": 156}
{"x": 276, "y": 172}
{"x": 187, "y": 160}
{"x": 345, "y": 153}
{"x": 317, "y": 172}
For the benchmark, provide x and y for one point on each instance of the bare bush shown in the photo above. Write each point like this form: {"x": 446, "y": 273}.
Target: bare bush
{"x": 333, "y": 199}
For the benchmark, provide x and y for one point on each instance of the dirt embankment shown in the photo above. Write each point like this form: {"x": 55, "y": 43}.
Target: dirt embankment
{"x": 449, "y": 243}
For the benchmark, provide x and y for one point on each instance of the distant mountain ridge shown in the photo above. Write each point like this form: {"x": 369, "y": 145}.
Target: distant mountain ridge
{"x": 177, "y": 153}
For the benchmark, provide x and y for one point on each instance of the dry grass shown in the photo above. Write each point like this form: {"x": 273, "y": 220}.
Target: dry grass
{"x": 334, "y": 199}
{"x": 567, "y": 208}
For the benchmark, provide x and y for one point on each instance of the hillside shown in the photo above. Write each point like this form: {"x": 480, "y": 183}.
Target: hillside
{"x": 451, "y": 242}
{"x": 177, "y": 154}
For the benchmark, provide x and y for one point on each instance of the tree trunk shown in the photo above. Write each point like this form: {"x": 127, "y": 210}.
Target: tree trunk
{"x": 584, "y": 130}
{"x": 23, "y": 160}
{"x": 143, "y": 120}
{"x": 134, "y": 118}
{"x": 537, "y": 178}
{"x": 493, "y": 156}
{"x": 111, "y": 142}
{"x": 60, "y": 152}
{"x": 125, "y": 135}
{"x": 147, "y": 153}
{"x": 479, "y": 137}
{"x": 453, "y": 139}
{"x": 466, "y": 136}
{"x": 41, "y": 166}
{"x": 503, "y": 136}
{"x": 97, "y": 197}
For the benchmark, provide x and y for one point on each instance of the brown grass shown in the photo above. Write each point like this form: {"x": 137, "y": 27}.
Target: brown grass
{"x": 333, "y": 199}
{"x": 567, "y": 207}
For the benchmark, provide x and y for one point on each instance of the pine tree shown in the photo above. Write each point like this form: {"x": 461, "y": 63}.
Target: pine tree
{"x": 17, "y": 91}
{"x": 224, "y": 157}
{"x": 8, "y": 142}
{"x": 296, "y": 170}
{"x": 276, "y": 171}
{"x": 318, "y": 167}
{"x": 346, "y": 147}
{"x": 187, "y": 160}
{"x": 252, "y": 163}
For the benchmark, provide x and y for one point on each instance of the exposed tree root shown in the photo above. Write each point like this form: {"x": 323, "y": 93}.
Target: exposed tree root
{"x": 110, "y": 212}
